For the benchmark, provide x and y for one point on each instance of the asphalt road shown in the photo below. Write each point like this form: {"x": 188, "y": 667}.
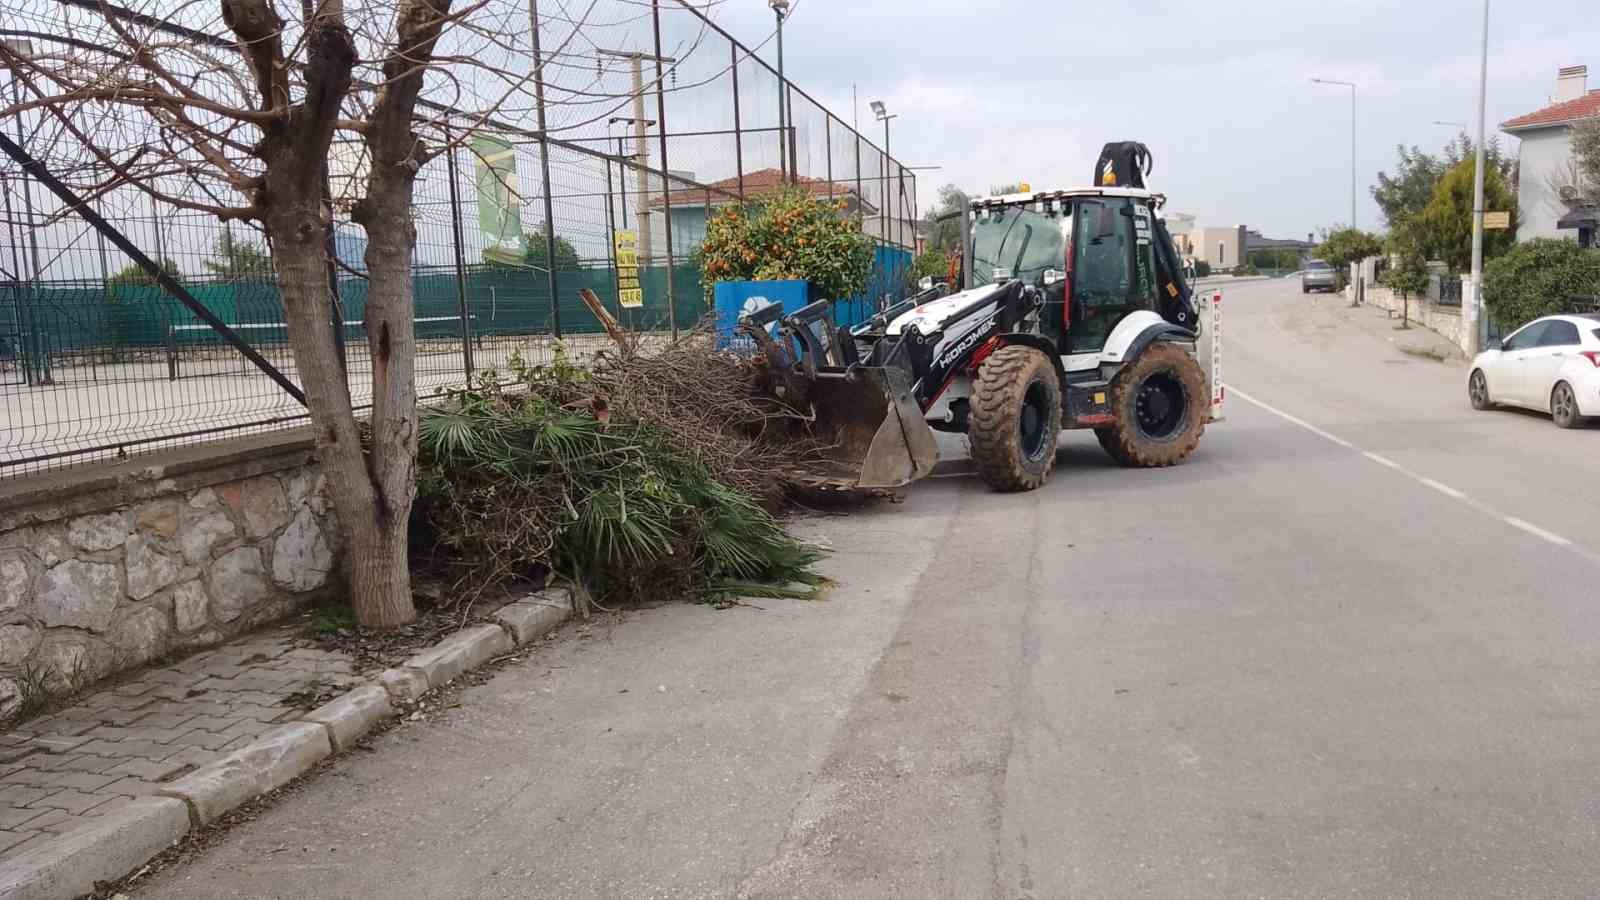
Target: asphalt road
{"x": 1351, "y": 648}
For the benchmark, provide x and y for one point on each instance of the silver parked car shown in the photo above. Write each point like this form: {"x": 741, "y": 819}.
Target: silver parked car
{"x": 1318, "y": 276}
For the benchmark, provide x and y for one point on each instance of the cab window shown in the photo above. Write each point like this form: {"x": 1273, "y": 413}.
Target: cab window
{"x": 1102, "y": 270}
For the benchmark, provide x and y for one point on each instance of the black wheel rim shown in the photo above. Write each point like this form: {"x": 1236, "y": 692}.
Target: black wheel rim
{"x": 1564, "y": 404}
{"x": 1479, "y": 389}
{"x": 1161, "y": 406}
{"x": 1034, "y": 423}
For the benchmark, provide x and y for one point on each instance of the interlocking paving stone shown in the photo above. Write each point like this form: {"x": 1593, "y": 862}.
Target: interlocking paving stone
{"x": 131, "y": 787}
{"x": 71, "y": 800}
{"x": 83, "y": 781}
{"x": 205, "y": 740}
{"x": 168, "y": 720}
{"x": 146, "y": 769}
{"x": 12, "y": 817}
{"x": 87, "y": 762}
{"x": 19, "y": 795}
{"x": 131, "y": 739}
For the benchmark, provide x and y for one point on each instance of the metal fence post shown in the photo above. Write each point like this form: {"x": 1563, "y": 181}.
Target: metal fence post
{"x": 461, "y": 263}
{"x": 861, "y": 198}
{"x": 827, "y": 135}
{"x": 622, "y": 183}
{"x": 788, "y": 134}
{"x": 335, "y": 302}
{"x": 611, "y": 242}
{"x": 666, "y": 186}
{"x": 544, "y": 172}
{"x": 738, "y": 140}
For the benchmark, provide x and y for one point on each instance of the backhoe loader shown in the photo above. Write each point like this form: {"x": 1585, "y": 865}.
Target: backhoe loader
{"x": 1072, "y": 312}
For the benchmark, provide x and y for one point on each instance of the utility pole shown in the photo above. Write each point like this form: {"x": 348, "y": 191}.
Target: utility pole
{"x": 1474, "y": 305}
{"x": 666, "y": 186}
{"x": 641, "y": 148}
{"x": 544, "y": 173}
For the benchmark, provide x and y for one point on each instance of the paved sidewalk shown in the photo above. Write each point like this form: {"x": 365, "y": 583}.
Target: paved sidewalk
{"x": 59, "y": 772}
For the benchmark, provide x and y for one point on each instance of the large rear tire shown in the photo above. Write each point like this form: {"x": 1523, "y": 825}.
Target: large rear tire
{"x": 1016, "y": 419}
{"x": 1161, "y": 402}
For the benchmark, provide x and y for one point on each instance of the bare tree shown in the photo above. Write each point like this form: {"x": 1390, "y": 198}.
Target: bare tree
{"x": 245, "y": 133}
{"x": 1577, "y": 182}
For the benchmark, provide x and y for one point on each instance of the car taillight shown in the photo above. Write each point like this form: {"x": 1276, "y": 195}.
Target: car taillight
{"x": 1593, "y": 356}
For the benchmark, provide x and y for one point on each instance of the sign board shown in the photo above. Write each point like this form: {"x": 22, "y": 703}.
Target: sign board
{"x": 630, "y": 294}
{"x": 499, "y": 203}
{"x": 1496, "y": 221}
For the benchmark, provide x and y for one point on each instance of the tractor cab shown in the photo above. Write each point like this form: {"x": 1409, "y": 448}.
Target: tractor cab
{"x": 1094, "y": 255}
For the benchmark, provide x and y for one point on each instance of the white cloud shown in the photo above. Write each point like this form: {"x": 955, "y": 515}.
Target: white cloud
{"x": 1015, "y": 89}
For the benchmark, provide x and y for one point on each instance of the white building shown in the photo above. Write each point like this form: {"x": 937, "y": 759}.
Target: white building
{"x": 1545, "y": 161}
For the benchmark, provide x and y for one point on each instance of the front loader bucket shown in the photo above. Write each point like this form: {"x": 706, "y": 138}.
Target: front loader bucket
{"x": 877, "y": 435}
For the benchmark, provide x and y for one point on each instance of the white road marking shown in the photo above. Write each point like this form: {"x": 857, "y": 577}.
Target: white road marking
{"x": 1538, "y": 532}
{"x": 1295, "y": 419}
{"x": 1443, "y": 488}
{"x": 1383, "y": 461}
{"x": 1439, "y": 486}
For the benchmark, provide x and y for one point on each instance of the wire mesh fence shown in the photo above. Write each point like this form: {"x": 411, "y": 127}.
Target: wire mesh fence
{"x": 655, "y": 119}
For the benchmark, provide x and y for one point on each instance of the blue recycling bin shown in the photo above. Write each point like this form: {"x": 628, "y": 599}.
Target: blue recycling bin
{"x": 732, "y": 299}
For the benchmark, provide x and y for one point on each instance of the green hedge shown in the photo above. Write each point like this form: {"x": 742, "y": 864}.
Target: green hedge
{"x": 1540, "y": 277}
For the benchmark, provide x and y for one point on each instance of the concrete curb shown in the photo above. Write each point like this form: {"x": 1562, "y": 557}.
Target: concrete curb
{"x": 116, "y": 844}
{"x": 121, "y": 841}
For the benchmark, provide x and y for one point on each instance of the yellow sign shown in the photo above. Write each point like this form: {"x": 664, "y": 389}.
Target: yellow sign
{"x": 629, "y": 292}
{"x": 1496, "y": 221}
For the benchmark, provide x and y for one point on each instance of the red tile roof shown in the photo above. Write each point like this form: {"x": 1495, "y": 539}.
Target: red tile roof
{"x": 757, "y": 184}
{"x": 1585, "y": 107}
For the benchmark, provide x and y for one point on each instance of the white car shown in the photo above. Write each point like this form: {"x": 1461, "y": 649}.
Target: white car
{"x": 1548, "y": 365}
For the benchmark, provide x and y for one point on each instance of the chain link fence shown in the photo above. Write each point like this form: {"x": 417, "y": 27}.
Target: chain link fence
{"x": 98, "y": 361}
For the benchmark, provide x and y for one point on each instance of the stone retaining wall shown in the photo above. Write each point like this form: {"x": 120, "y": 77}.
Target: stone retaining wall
{"x": 1444, "y": 321}
{"x": 102, "y": 569}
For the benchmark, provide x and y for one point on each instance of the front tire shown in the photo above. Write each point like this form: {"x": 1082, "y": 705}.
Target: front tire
{"x": 1564, "y": 406}
{"x": 1478, "y": 391}
{"x": 1016, "y": 418}
{"x": 1160, "y": 402}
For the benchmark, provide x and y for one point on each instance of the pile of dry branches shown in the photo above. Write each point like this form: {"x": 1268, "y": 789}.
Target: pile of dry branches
{"x": 718, "y": 404}
{"x": 650, "y": 474}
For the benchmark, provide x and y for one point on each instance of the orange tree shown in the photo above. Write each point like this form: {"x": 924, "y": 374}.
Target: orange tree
{"x": 789, "y": 234}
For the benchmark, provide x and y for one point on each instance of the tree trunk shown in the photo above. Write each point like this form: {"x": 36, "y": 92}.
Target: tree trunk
{"x": 378, "y": 563}
{"x": 372, "y": 510}
{"x": 392, "y": 342}
{"x": 371, "y": 492}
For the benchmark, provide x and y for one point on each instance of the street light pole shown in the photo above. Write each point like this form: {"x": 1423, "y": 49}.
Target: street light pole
{"x": 1351, "y": 85}
{"x": 1474, "y": 338}
{"x": 879, "y": 110}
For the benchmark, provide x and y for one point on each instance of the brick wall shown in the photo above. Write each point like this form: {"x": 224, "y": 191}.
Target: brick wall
{"x": 102, "y": 569}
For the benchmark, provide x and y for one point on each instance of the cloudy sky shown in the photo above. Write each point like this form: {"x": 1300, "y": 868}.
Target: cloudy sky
{"x": 1009, "y": 90}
